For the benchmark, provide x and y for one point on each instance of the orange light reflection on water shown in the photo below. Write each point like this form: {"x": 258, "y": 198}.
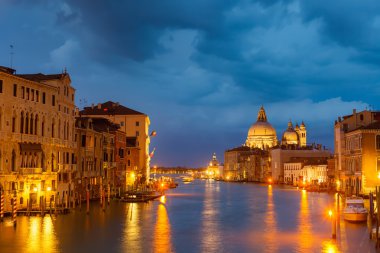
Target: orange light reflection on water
{"x": 270, "y": 223}
{"x": 41, "y": 236}
{"x": 162, "y": 231}
{"x": 304, "y": 224}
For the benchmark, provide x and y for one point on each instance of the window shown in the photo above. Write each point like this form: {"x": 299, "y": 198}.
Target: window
{"x": 43, "y": 97}
{"x": 15, "y": 90}
{"x": 361, "y": 117}
{"x": 83, "y": 140}
{"x": 1, "y": 86}
{"x": 377, "y": 141}
{"x": 121, "y": 153}
{"x": 53, "y": 100}
{"x": 37, "y": 96}
{"x": 122, "y": 123}
{"x": 22, "y": 92}
{"x": 27, "y": 93}
{"x": 137, "y": 123}
{"x": 129, "y": 152}
{"x": 378, "y": 164}
{"x": 129, "y": 163}
{"x": 137, "y": 133}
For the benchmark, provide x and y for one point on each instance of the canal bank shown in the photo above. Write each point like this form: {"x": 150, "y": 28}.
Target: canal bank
{"x": 202, "y": 216}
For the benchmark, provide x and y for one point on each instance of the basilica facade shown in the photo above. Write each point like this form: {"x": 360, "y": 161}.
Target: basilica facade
{"x": 262, "y": 134}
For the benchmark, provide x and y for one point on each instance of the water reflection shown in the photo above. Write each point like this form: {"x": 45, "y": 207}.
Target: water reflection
{"x": 162, "y": 231}
{"x": 41, "y": 236}
{"x": 304, "y": 224}
{"x": 132, "y": 233}
{"x": 270, "y": 223}
{"x": 210, "y": 241}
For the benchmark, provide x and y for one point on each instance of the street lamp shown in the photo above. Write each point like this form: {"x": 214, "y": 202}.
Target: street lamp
{"x": 333, "y": 223}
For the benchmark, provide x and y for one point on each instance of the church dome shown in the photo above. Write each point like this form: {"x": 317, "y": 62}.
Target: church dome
{"x": 261, "y": 134}
{"x": 261, "y": 129}
{"x": 290, "y": 136}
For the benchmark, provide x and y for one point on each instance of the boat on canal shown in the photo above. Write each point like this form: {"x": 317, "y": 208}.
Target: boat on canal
{"x": 187, "y": 179}
{"x": 354, "y": 210}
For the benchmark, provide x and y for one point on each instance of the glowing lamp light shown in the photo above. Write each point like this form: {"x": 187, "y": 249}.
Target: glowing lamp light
{"x": 270, "y": 180}
{"x": 163, "y": 199}
{"x": 48, "y": 188}
{"x": 35, "y": 189}
{"x": 162, "y": 185}
{"x": 330, "y": 213}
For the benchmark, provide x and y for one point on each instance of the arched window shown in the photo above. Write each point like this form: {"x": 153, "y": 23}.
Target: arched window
{"x": 27, "y": 123}
{"x": 31, "y": 124}
{"x": 52, "y": 162}
{"x": 52, "y": 128}
{"x": 43, "y": 127}
{"x": 36, "y": 125}
{"x": 22, "y": 123}
{"x": 13, "y": 123}
{"x": 13, "y": 161}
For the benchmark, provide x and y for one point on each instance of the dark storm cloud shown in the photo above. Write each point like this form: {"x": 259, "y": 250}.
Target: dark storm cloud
{"x": 132, "y": 28}
{"x": 203, "y": 67}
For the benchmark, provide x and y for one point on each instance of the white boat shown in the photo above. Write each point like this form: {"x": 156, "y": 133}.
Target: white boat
{"x": 354, "y": 210}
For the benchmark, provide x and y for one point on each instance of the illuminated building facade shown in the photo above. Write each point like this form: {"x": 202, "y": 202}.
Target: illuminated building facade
{"x": 357, "y": 151}
{"x": 134, "y": 124}
{"x": 246, "y": 164}
{"x": 37, "y": 137}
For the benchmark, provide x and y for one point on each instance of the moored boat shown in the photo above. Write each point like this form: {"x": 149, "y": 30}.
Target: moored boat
{"x": 354, "y": 210}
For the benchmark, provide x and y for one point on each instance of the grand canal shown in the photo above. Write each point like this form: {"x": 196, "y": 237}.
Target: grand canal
{"x": 202, "y": 216}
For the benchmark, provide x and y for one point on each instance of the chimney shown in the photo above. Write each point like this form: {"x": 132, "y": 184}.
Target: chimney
{"x": 99, "y": 106}
{"x": 92, "y": 106}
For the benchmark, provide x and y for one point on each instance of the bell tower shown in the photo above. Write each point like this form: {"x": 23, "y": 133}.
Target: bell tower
{"x": 302, "y": 134}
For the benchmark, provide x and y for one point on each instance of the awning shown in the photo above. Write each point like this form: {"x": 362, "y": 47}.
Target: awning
{"x": 30, "y": 147}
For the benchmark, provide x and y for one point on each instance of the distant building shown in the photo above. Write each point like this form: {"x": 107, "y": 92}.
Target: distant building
{"x": 37, "y": 138}
{"x": 246, "y": 164}
{"x": 357, "y": 151}
{"x": 306, "y": 170}
{"x": 263, "y": 157}
{"x": 283, "y": 155}
{"x": 136, "y": 127}
{"x": 214, "y": 169}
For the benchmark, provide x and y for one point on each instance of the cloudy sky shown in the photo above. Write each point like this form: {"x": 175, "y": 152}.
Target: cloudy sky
{"x": 202, "y": 68}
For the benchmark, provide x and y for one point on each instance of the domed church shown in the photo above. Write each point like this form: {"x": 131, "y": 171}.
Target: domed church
{"x": 261, "y": 134}
{"x": 294, "y": 137}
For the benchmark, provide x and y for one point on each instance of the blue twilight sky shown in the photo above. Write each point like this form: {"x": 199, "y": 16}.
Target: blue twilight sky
{"x": 201, "y": 69}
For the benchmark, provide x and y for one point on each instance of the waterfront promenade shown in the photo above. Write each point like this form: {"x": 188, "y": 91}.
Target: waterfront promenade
{"x": 202, "y": 216}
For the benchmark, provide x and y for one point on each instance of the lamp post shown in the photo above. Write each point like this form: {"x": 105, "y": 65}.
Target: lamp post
{"x": 333, "y": 223}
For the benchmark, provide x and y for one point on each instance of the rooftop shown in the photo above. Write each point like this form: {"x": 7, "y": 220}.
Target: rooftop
{"x": 109, "y": 108}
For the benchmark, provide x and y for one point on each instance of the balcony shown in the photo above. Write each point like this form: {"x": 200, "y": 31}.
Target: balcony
{"x": 29, "y": 171}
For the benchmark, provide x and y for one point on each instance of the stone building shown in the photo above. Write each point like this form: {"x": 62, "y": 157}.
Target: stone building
{"x": 246, "y": 164}
{"x": 357, "y": 151}
{"x": 307, "y": 170}
{"x": 282, "y": 155}
{"x": 89, "y": 157}
{"x": 133, "y": 123}
{"x": 37, "y": 145}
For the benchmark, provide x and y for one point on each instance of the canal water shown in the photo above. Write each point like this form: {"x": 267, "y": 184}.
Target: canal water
{"x": 202, "y": 216}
